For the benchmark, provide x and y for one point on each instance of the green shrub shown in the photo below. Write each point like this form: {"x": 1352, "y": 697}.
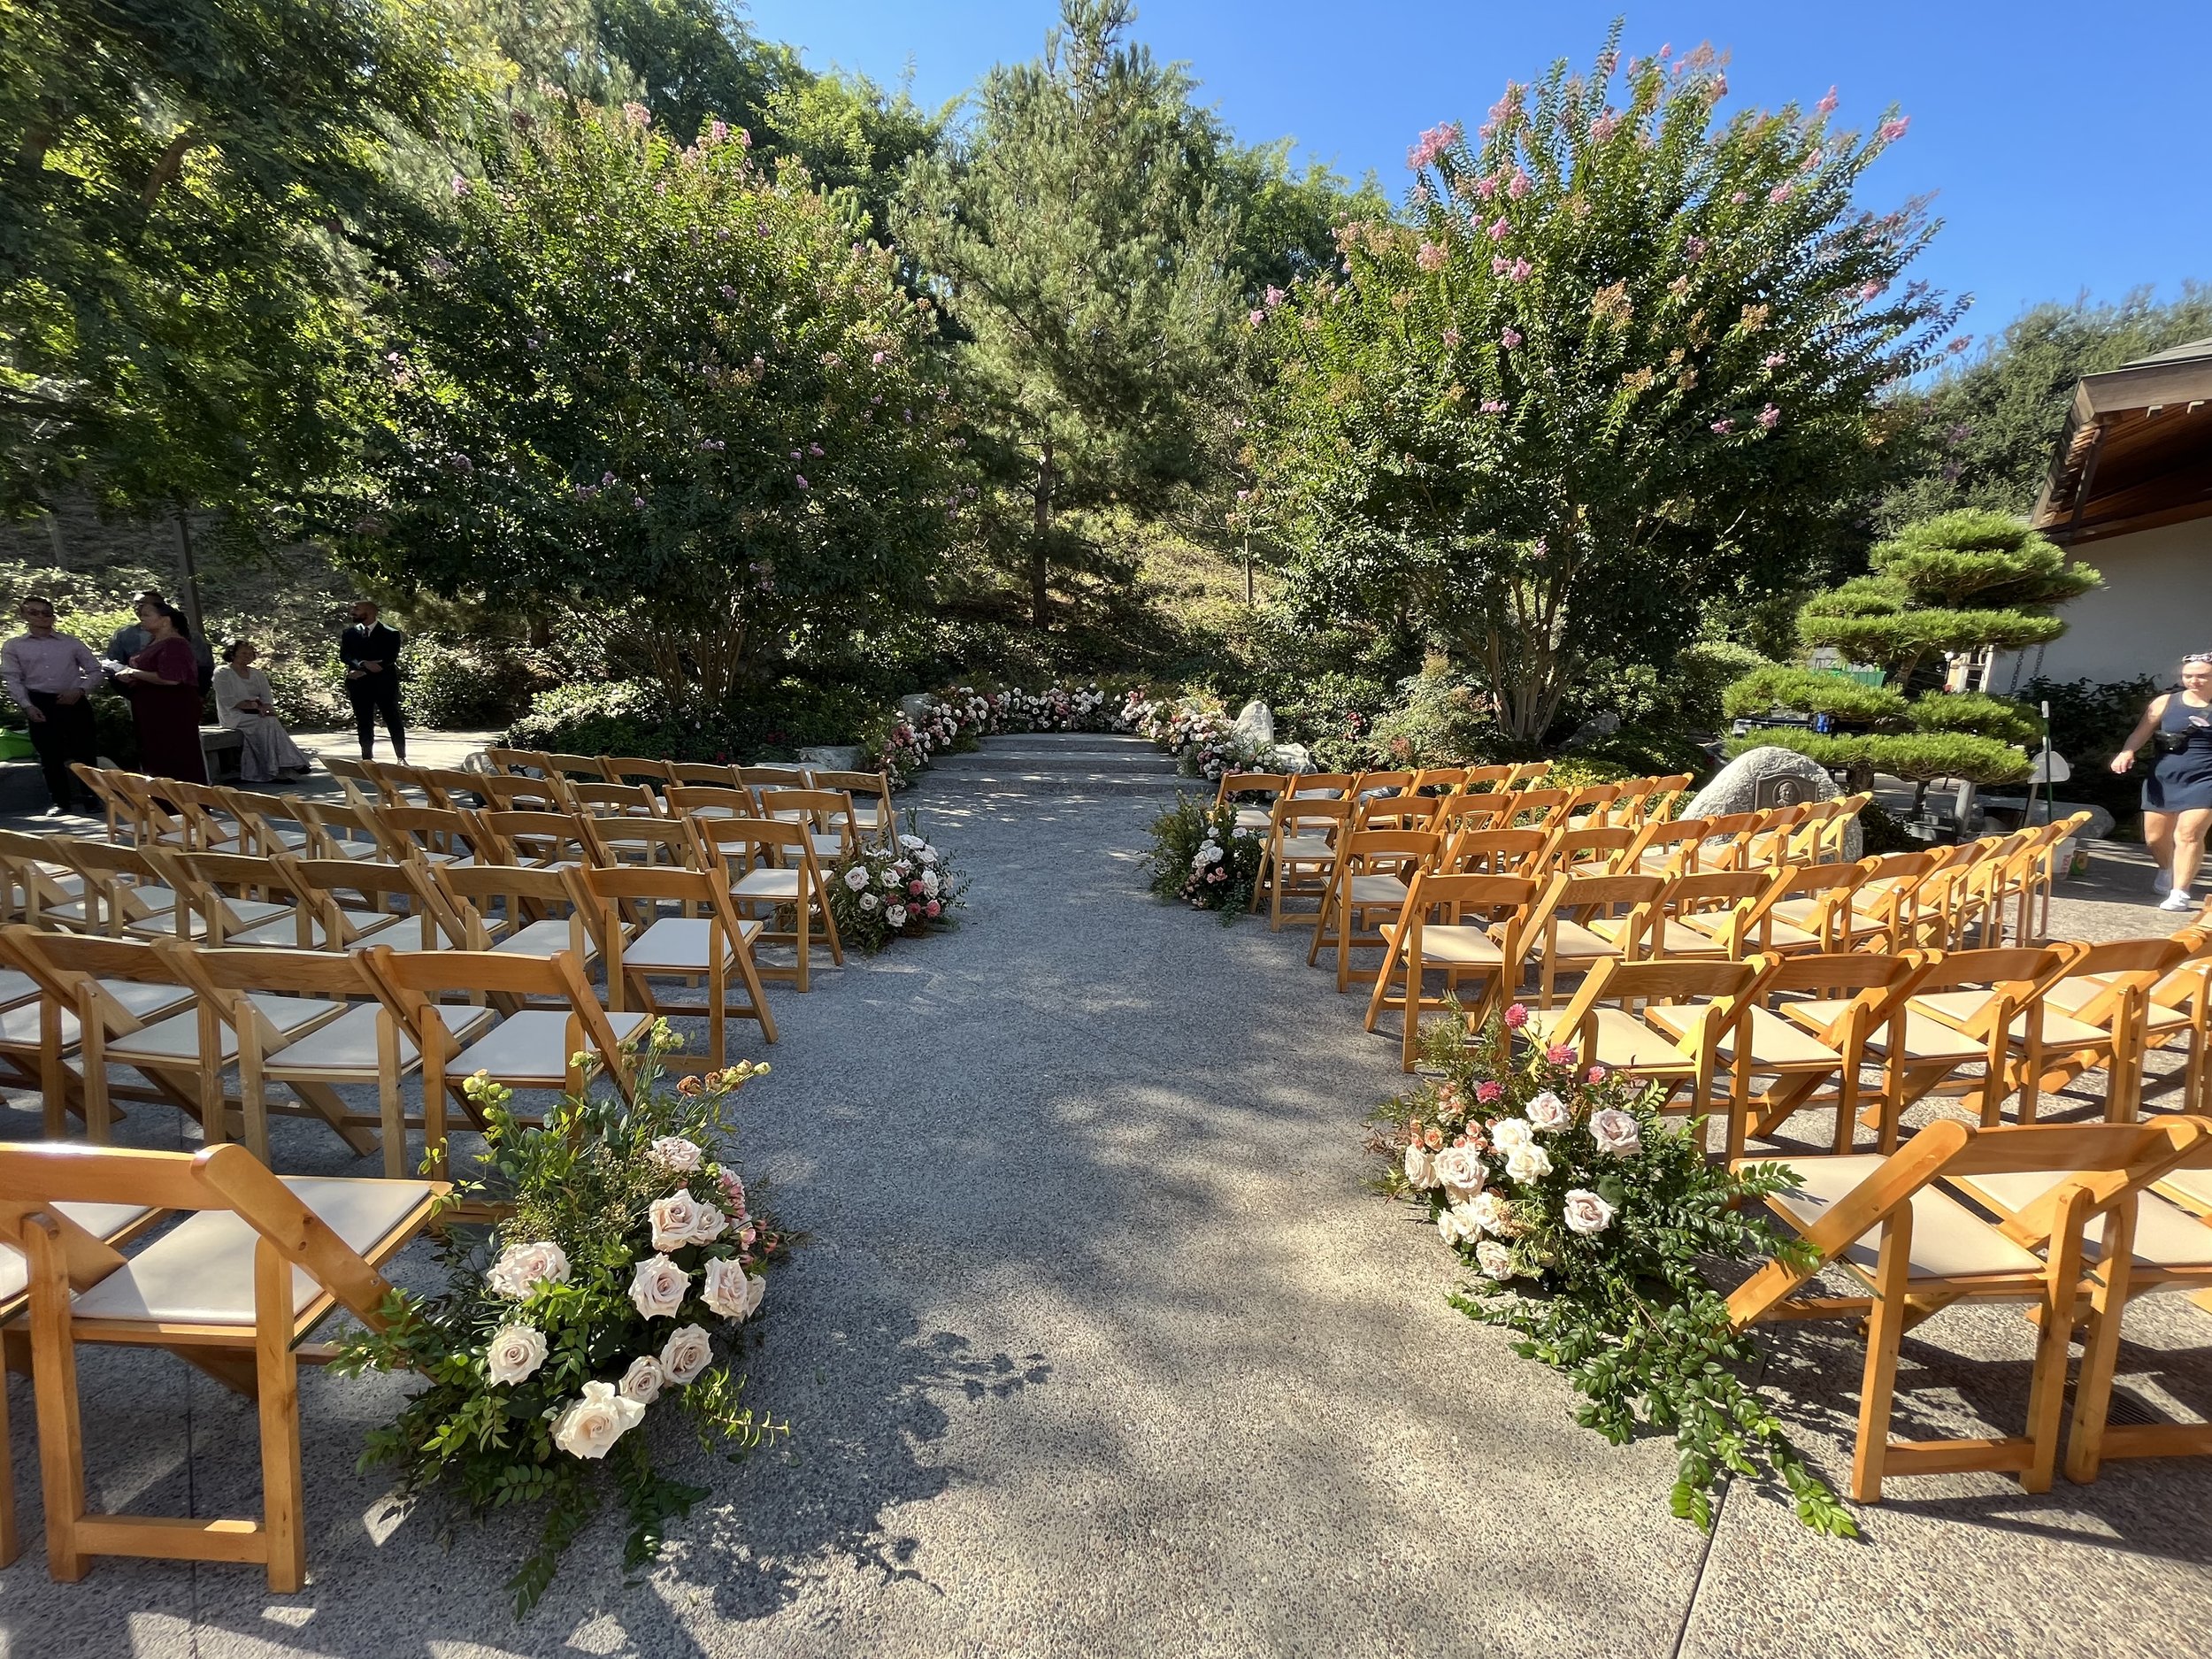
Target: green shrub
{"x": 1975, "y": 711}
{"x": 1813, "y": 691}
{"x": 608, "y": 716}
{"x": 1884, "y": 834}
{"x": 1442, "y": 722}
{"x": 450, "y": 685}
{"x": 1915, "y": 756}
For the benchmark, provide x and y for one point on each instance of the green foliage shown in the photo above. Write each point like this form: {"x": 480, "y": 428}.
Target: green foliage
{"x": 1814, "y": 691}
{"x": 1613, "y": 362}
{"x": 1200, "y": 858}
{"x": 197, "y": 191}
{"x": 659, "y": 392}
{"x": 766, "y": 722}
{"x": 1981, "y": 434}
{"x": 1916, "y": 757}
{"x": 579, "y": 1192}
{"x": 607, "y": 717}
{"x": 1083, "y": 247}
{"x": 460, "y": 685}
{"x": 1441, "y": 721}
{"x": 1540, "y": 1174}
{"x": 2000, "y": 718}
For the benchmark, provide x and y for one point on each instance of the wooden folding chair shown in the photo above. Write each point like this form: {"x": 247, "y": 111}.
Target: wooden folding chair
{"x": 542, "y": 839}
{"x": 768, "y": 864}
{"x": 524, "y": 909}
{"x": 232, "y": 898}
{"x": 1712, "y": 914}
{"x": 153, "y": 821}
{"x": 576, "y": 768}
{"x": 124, "y": 890}
{"x": 346, "y": 830}
{"x": 512, "y": 793}
{"x": 1476, "y": 929}
{"x": 1840, "y": 1000}
{"x": 520, "y": 763}
{"x": 679, "y": 924}
{"x": 1235, "y": 785}
{"x": 775, "y": 776}
{"x": 234, "y": 1290}
{"x": 204, "y": 812}
{"x": 1580, "y": 921}
{"x": 1669, "y": 847}
{"x": 1597, "y": 849}
{"x": 39, "y": 1030}
{"x": 1371, "y": 873}
{"x": 1962, "y": 1012}
{"x": 711, "y": 801}
{"x": 634, "y": 769}
{"x": 362, "y": 1045}
{"x": 2179, "y": 1010}
{"x": 868, "y": 796}
{"x": 703, "y": 773}
{"x": 270, "y": 824}
{"x": 430, "y": 835}
{"x": 827, "y": 815}
{"x": 43, "y": 888}
{"x": 176, "y": 1043}
{"x": 558, "y": 1019}
{"x": 1301, "y": 849}
{"x": 1606, "y": 1023}
{"x": 1494, "y": 852}
{"x": 355, "y": 780}
{"x": 346, "y": 903}
{"x": 1883, "y": 1218}
{"x": 121, "y": 814}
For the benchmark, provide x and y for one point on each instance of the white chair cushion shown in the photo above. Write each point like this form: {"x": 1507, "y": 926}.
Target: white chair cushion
{"x": 201, "y": 1271}
{"x": 2165, "y": 1235}
{"x": 529, "y": 1048}
{"x": 346, "y": 1043}
{"x": 1377, "y": 890}
{"x": 1949, "y": 1239}
{"x": 548, "y": 938}
{"x": 1455, "y": 944}
{"x": 176, "y": 1038}
{"x": 676, "y": 944}
{"x": 768, "y": 884}
{"x": 102, "y": 1221}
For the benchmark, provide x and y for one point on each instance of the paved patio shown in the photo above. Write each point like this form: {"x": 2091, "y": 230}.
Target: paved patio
{"x": 1101, "y": 1347}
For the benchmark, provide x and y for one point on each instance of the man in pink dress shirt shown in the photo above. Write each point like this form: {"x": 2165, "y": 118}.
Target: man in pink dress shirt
{"x": 49, "y": 675}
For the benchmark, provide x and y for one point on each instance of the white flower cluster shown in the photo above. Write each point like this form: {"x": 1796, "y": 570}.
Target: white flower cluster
{"x": 605, "y": 1412}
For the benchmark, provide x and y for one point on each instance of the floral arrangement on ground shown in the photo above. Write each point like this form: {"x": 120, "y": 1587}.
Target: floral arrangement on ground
{"x": 621, "y": 1284}
{"x": 1586, "y": 1215}
{"x": 1196, "y": 729}
{"x": 880, "y": 893}
{"x": 1200, "y": 858}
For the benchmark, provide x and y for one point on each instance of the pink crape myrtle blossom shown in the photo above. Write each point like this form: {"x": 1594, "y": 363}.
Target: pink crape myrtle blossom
{"x": 1499, "y": 229}
{"x": 1431, "y": 257}
{"x": 1827, "y": 105}
{"x": 1510, "y": 338}
{"x": 1890, "y": 132}
{"x": 1433, "y": 144}
{"x": 1768, "y": 415}
{"x": 1517, "y": 185}
{"x": 1485, "y": 187}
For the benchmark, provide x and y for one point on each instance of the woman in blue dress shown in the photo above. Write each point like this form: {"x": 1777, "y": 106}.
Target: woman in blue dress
{"x": 2178, "y": 794}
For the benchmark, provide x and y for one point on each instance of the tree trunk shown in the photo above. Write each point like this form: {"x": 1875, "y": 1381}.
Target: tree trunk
{"x": 1039, "y": 601}
{"x": 188, "y": 566}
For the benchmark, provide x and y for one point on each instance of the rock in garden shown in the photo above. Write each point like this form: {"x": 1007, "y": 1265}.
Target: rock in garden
{"x": 1256, "y": 721}
{"x": 1769, "y": 777}
{"x": 832, "y": 756}
{"x": 915, "y": 704}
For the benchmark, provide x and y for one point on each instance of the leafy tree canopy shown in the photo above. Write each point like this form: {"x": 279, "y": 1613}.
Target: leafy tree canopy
{"x": 662, "y": 391}
{"x": 1983, "y": 431}
{"x": 1618, "y": 357}
{"x": 190, "y": 191}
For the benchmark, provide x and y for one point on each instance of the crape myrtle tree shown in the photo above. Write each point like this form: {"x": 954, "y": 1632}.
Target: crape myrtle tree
{"x": 655, "y": 390}
{"x": 1618, "y": 356}
{"x": 193, "y": 195}
{"x": 1959, "y": 583}
{"x": 1083, "y": 251}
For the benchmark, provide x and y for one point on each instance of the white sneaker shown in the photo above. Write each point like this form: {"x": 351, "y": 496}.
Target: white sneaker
{"x": 2177, "y": 900}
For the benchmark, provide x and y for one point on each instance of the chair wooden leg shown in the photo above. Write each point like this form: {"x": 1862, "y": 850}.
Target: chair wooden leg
{"x": 803, "y": 925}
{"x": 54, "y": 1384}
{"x": 11, "y": 1544}
{"x": 2047, "y": 1390}
{"x": 283, "y": 1493}
{"x": 1878, "y": 1384}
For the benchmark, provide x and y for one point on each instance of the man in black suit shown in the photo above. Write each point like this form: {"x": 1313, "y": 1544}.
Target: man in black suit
{"x": 370, "y": 651}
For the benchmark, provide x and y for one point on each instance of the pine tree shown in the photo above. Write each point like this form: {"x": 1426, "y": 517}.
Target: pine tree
{"x": 1085, "y": 257}
{"x": 1953, "y": 585}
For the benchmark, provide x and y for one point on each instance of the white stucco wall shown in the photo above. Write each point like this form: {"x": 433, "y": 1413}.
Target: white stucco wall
{"x": 2155, "y": 604}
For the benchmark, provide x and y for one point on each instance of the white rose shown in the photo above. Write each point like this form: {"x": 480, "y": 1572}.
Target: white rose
{"x": 729, "y": 1290}
{"x": 1488, "y": 1211}
{"x": 1461, "y": 1171}
{"x": 674, "y": 1152}
{"x": 710, "y": 1225}
{"x": 521, "y": 1268}
{"x": 688, "y": 1352}
{"x": 1547, "y": 1111}
{"x": 658, "y": 1287}
{"x": 591, "y": 1426}
{"x": 1420, "y": 1168}
{"x": 675, "y": 1219}
{"x": 1530, "y": 1163}
{"x": 928, "y": 855}
{"x": 895, "y": 915}
{"x": 1456, "y": 1223}
{"x": 1494, "y": 1259}
{"x": 1510, "y": 1135}
{"x": 869, "y": 902}
{"x": 912, "y": 843}
{"x": 1585, "y": 1212}
{"x": 643, "y": 1381}
{"x": 891, "y": 878}
{"x": 1616, "y": 1131}
{"x": 856, "y": 878}
{"x": 929, "y": 884}
{"x": 515, "y": 1352}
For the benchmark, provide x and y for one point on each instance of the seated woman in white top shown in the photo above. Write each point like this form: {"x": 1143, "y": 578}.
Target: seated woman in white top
{"x": 244, "y": 705}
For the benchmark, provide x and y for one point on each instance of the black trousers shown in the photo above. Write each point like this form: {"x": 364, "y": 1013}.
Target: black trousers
{"x": 65, "y": 734}
{"x": 377, "y": 697}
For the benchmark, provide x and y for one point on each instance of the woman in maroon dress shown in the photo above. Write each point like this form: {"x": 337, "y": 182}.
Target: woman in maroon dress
{"x": 164, "y": 682}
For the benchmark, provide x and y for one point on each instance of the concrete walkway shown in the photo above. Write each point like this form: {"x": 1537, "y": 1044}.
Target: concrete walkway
{"x": 1102, "y": 1347}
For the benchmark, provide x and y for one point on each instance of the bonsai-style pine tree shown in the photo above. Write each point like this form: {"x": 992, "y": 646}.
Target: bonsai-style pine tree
{"x": 1960, "y": 582}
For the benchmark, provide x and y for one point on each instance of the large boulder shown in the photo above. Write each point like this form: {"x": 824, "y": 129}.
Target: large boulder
{"x": 915, "y": 704}
{"x": 1256, "y": 723}
{"x": 1788, "y": 778}
{"x": 832, "y": 756}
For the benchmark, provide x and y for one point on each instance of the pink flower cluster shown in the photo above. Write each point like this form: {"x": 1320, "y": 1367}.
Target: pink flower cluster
{"x": 1435, "y": 142}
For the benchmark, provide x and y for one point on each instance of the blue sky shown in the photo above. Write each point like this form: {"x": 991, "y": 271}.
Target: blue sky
{"x": 2069, "y": 147}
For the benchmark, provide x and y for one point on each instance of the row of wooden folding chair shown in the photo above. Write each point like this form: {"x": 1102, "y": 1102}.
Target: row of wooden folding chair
{"x": 2070, "y": 1220}
{"x": 869, "y": 809}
